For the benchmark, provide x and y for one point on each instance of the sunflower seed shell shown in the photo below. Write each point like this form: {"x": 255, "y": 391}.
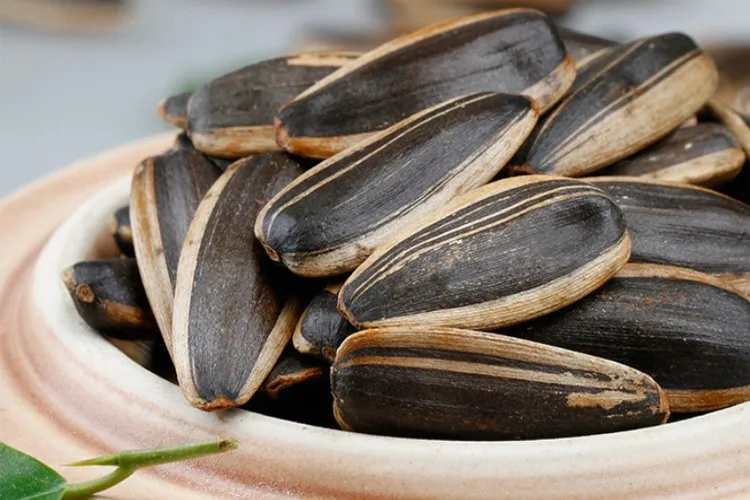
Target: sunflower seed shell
{"x": 109, "y": 297}
{"x": 684, "y": 226}
{"x": 231, "y": 320}
{"x": 459, "y": 384}
{"x": 321, "y": 329}
{"x": 516, "y": 51}
{"x": 329, "y": 220}
{"x": 232, "y": 116}
{"x": 687, "y": 330}
{"x": 173, "y": 110}
{"x": 706, "y": 155}
{"x": 164, "y": 195}
{"x": 487, "y": 259}
{"x": 621, "y": 102}
{"x": 122, "y": 231}
{"x": 293, "y": 369}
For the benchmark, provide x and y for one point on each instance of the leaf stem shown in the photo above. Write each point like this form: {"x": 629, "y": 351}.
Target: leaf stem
{"x": 128, "y": 462}
{"x": 89, "y": 488}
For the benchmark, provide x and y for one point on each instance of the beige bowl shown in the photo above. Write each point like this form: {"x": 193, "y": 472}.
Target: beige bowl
{"x": 67, "y": 394}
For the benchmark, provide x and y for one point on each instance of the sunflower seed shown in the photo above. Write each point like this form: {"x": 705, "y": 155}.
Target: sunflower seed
{"x": 513, "y": 51}
{"x": 230, "y": 321}
{"x": 706, "y": 154}
{"x": 447, "y": 383}
{"x": 292, "y": 369}
{"x": 173, "y": 109}
{"x": 621, "y": 102}
{"x": 684, "y": 226}
{"x": 164, "y": 195}
{"x": 329, "y": 220}
{"x": 581, "y": 46}
{"x": 488, "y": 260}
{"x": 321, "y": 329}
{"x": 731, "y": 120}
{"x": 119, "y": 226}
{"x": 232, "y": 116}
{"x": 109, "y": 297}
{"x": 686, "y": 329}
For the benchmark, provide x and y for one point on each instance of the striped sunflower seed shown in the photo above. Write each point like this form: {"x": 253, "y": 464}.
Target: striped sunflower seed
{"x": 487, "y": 259}
{"x": 232, "y": 116}
{"x": 731, "y": 120}
{"x": 293, "y": 369}
{"x": 684, "y": 226}
{"x": 321, "y": 329}
{"x": 122, "y": 232}
{"x": 231, "y": 320}
{"x": 164, "y": 195}
{"x": 685, "y": 329}
{"x": 706, "y": 154}
{"x": 173, "y": 110}
{"x": 329, "y": 220}
{"x": 447, "y": 383}
{"x": 516, "y": 51}
{"x": 109, "y": 297}
{"x": 621, "y": 102}
{"x": 581, "y": 46}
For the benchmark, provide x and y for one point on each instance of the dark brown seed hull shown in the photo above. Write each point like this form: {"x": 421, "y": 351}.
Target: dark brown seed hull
{"x": 329, "y": 220}
{"x": 685, "y": 329}
{"x": 122, "y": 231}
{"x": 423, "y": 69}
{"x": 581, "y": 46}
{"x": 232, "y": 116}
{"x": 109, "y": 297}
{"x": 173, "y": 110}
{"x": 230, "y": 320}
{"x": 164, "y": 195}
{"x": 684, "y": 226}
{"x": 293, "y": 369}
{"x": 487, "y": 259}
{"x": 321, "y": 329}
{"x": 458, "y": 384}
{"x": 705, "y": 154}
{"x": 621, "y": 102}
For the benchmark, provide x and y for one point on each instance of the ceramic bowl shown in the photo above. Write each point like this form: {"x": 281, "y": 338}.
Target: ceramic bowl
{"x": 67, "y": 394}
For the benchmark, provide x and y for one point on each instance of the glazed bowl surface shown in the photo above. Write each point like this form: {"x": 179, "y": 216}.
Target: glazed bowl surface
{"x": 68, "y": 394}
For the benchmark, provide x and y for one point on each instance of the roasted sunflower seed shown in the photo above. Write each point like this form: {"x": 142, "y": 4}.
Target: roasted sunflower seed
{"x": 173, "y": 110}
{"x": 621, "y": 102}
{"x": 581, "y": 46}
{"x": 706, "y": 154}
{"x": 514, "y": 51}
{"x": 292, "y": 369}
{"x": 502, "y": 254}
{"x": 686, "y": 329}
{"x": 232, "y": 116}
{"x": 230, "y": 321}
{"x": 447, "y": 383}
{"x": 321, "y": 329}
{"x": 109, "y": 297}
{"x": 731, "y": 120}
{"x": 329, "y": 220}
{"x": 122, "y": 232}
{"x": 164, "y": 195}
{"x": 684, "y": 226}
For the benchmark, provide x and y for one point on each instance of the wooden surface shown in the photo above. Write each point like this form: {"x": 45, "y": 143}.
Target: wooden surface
{"x": 66, "y": 394}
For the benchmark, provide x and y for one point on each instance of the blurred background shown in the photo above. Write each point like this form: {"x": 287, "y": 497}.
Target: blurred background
{"x": 81, "y": 76}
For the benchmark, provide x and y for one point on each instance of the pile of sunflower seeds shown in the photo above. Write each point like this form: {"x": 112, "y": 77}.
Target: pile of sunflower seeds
{"x": 490, "y": 228}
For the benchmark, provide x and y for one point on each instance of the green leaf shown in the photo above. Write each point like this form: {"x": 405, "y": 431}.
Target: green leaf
{"x": 25, "y": 477}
